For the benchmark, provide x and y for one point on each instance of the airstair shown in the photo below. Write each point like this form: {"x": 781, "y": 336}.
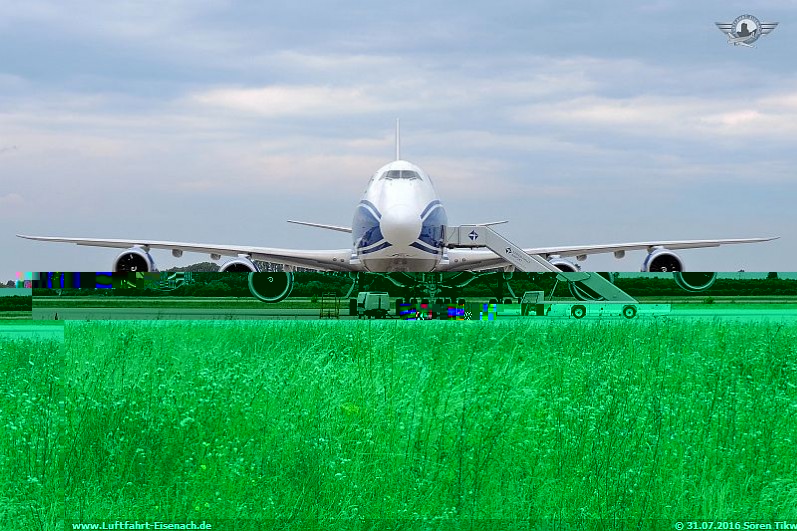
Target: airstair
{"x": 475, "y": 236}
{"x": 330, "y": 306}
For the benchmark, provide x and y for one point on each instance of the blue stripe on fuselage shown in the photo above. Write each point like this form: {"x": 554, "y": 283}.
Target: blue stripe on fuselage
{"x": 367, "y": 233}
{"x": 424, "y": 248}
{"x": 365, "y": 227}
{"x": 383, "y": 245}
{"x": 434, "y": 223}
{"x": 430, "y": 206}
{"x": 367, "y": 203}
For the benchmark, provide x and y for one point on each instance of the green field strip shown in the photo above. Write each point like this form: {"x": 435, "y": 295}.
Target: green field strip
{"x": 252, "y": 424}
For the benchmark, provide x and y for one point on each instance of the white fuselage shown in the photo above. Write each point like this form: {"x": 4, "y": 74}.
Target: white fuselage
{"x": 399, "y": 223}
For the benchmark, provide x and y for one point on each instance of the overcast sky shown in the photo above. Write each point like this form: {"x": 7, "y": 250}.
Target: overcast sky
{"x": 215, "y": 121}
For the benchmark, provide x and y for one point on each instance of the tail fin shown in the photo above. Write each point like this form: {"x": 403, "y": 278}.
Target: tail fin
{"x": 398, "y": 140}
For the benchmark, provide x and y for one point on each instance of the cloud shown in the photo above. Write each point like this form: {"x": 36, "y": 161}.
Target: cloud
{"x": 173, "y": 28}
{"x": 697, "y": 118}
{"x": 357, "y": 84}
{"x": 11, "y": 204}
{"x": 294, "y": 100}
{"x": 313, "y": 175}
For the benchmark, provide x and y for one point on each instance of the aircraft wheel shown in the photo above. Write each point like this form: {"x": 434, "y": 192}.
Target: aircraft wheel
{"x": 629, "y": 312}
{"x": 578, "y": 311}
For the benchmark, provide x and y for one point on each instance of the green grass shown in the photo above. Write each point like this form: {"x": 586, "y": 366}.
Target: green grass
{"x": 417, "y": 425}
{"x": 440, "y": 422}
{"x": 31, "y": 405}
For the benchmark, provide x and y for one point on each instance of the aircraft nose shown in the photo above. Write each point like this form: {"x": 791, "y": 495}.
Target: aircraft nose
{"x": 400, "y": 225}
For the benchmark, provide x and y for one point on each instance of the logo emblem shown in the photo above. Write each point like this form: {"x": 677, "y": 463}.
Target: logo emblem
{"x": 473, "y": 235}
{"x": 745, "y": 30}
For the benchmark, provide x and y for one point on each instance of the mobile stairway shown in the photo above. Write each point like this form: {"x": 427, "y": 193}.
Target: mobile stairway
{"x": 592, "y": 285}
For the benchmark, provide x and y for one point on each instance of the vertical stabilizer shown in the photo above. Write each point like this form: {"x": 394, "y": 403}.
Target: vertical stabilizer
{"x": 398, "y": 140}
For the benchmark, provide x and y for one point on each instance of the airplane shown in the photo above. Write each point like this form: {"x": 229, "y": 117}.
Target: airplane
{"x": 398, "y": 226}
{"x": 742, "y": 41}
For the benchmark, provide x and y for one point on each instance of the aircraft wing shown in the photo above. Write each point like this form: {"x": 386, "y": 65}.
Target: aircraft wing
{"x": 478, "y": 259}
{"x": 329, "y": 260}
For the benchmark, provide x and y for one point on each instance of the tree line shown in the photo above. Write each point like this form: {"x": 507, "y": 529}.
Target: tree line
{"x": 16, "y": 303}
{"x": 315, "y": 284}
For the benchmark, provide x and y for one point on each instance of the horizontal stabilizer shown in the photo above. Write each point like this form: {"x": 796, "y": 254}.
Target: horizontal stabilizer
{"x": 491, "y": 223}
{"x": 322, "y": 225}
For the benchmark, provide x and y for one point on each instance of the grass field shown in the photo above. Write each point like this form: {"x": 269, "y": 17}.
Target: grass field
{"x": 31, "y": 411}
{"x": 417, "y": 426}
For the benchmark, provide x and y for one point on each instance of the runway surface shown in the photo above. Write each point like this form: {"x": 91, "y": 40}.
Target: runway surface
{"x": 176, "y": 313}
{"x": 21, "y": 331}
{"x": 274, "y": 312}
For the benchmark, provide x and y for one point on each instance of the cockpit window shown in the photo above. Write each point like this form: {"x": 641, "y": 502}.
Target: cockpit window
{"x": 400, "y": 174}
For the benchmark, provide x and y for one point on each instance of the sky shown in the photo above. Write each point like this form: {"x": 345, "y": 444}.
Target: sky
{"x": 215, "y": 121}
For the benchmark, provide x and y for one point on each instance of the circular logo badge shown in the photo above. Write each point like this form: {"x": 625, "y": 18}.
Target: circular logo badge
{"x": 746, "y": 26}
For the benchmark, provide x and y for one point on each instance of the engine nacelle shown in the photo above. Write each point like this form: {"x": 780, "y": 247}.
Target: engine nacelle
{"x": 135, "y": 260}
{"x": 241, "y": 264}
{"x": 564, "y": 265}
{"x": 662, "y": 261}
{"x": 270, "y": 287}
{"x": 694, "y": 281}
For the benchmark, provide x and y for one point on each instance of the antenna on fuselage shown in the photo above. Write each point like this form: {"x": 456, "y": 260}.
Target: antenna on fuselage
{"x": 398, "y": 140}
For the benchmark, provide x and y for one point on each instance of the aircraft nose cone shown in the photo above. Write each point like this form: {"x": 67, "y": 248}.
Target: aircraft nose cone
{"x": 400, "y": 225}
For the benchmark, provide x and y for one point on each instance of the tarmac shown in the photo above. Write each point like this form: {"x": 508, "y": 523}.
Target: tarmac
{"x": 724, "y": 312}
{"x": 93, "y": 314}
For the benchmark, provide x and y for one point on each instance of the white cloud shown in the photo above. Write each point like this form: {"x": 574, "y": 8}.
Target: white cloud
{"x": 293, "y": 100}
{"x": 655, "y": 116}
{"x": 786, "y": 100}
{"x": 314, "y": 175}
{"x": 378, "y": 84}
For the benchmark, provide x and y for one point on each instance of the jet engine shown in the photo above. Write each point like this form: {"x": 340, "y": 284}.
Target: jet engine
{"x": 239, "y": 265}
{"x": 270, "y": 287}
{"x": 564, "y": 265}
{"x": 661, "y": 261}
{"x": 135, "y": 259}
{"x": 694, "y": 281}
